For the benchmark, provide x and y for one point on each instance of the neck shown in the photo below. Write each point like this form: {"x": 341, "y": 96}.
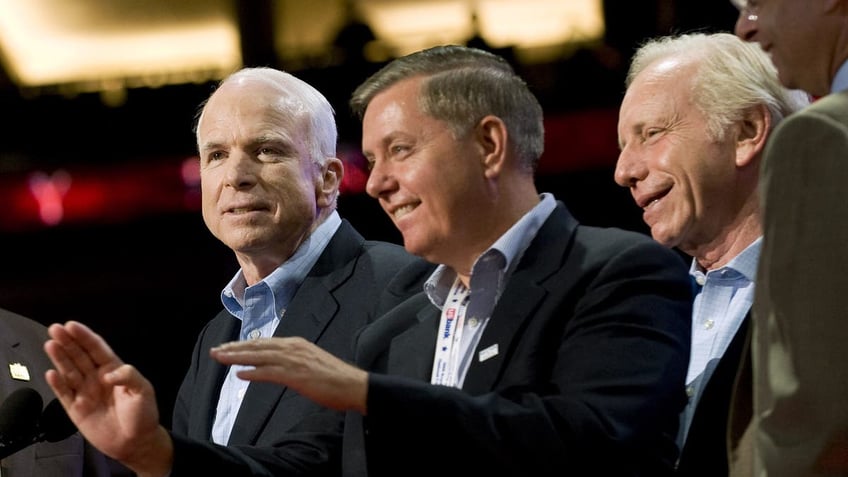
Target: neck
{"x": 728, "y": 244}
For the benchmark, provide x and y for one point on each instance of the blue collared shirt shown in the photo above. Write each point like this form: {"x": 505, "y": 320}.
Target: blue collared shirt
{"x": 840, "y": 81}
{"x": 260, "y": 307}
{"x": 489, "y": 275}
{"x": 724, "y": 298}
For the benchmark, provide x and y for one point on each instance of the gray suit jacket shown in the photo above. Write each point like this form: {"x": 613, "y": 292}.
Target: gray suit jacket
{"x": 800, "y": 333}
{"x": 277, "y": 431}
{"x": 22, "y": 341}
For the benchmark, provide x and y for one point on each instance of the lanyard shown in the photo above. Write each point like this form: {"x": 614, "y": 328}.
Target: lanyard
{"x": 448, "y": 344}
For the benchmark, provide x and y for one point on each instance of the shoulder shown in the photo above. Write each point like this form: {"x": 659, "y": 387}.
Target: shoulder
{"x": 19, "y": 328}
{"x": 614, "y": 244}
{"x": 827, "y": 113}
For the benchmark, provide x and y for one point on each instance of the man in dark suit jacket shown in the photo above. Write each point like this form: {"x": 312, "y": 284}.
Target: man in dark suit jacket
{"x": 349, "y": 286}
{"x": 540, "y": 346}
{"x": 692, "y": 128}
{"x": 800, "y": 424}
{"x": 270, "y": 181}
{"x": 22, "y": 353}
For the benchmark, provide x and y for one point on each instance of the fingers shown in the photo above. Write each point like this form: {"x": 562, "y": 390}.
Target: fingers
{"x": 255, "y": 352}
{"x": 81, "y": 347}
{"x": 81, "y": 359}
{"x": 93, "y": 344}
{"x": 129, "y": 377}
{"x": 64, "y": 392}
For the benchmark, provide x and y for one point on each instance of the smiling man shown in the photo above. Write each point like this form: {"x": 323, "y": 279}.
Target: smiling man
{"x": 270, "y": 182}
{"x": 539, "y": 346}
{"x": 692, "y": 128}
{"x": 800, "y": 425}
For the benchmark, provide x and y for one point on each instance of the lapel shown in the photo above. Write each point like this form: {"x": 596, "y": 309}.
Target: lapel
{"x": 742, "y": 396}
{"x": 421, "y": 336}
{"x": 308, "y": 315}
{"x": 209, "y": 382}
{"x": 524, "y": 293}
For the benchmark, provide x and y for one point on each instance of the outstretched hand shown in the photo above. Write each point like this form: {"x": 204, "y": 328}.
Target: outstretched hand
{"x": 111, "y": 403}
{"x": 302, "y": 366}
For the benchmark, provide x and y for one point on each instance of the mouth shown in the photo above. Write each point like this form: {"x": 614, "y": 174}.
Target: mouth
{"x": 649, "y": 201}
{"x": 399, "y": 212}
{"x": 245, "y": 209}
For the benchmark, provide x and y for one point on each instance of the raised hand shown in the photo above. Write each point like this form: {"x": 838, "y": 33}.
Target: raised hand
{"x": 111, "y": 403}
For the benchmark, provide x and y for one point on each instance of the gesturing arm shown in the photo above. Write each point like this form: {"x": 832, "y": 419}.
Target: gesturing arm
{"x": 111, "y": 403}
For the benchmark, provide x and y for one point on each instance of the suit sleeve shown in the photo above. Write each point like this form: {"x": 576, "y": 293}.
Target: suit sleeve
{"x": 800, "y": 307}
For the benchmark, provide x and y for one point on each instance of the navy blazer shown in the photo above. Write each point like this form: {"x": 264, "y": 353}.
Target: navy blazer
{"x": 277, "y": 431}
{"x": 593, "y": 336}
{"x": 22, "y": 341}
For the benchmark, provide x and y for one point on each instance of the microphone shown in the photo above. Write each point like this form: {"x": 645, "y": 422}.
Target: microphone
{"x": 19, "y": 416}
{"x": 54, "y": 424}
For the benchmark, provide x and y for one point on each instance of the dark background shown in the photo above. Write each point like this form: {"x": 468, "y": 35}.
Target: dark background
{"x": 150, "y": 282}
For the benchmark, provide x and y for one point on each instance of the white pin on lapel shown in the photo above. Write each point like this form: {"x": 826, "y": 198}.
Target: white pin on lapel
{"x": 19, "y": 371}
{"x": 488, "y": 353}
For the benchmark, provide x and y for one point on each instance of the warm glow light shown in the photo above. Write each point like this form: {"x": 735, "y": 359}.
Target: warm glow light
{"x": 522, "y": 24}
{"x": 534, "y": 23}
{"x": 90, "y": 42}
{"x": 412, "y": 25}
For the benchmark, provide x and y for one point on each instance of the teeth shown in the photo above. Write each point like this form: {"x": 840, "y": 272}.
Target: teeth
{"x": 241, "y": 210}
{"x": 401, "y": 211}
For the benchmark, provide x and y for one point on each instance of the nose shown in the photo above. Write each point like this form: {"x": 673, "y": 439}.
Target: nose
{"x": 628, "y": 169}
{"x": 746, "y": 26}
{"x": 380, "y": 180}
{"x": 241, "y": 171}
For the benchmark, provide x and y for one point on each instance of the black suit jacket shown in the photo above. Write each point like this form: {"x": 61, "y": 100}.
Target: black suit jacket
{"x": 704, "y": 453}
{"x": 277, "y": 431}
{"x": 593, "y": 337}
{"x": 22, "y": 341}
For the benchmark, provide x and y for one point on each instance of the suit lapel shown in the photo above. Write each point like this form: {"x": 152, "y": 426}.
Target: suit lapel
{"x": 524, "y": 293}
{"x": 310, "y": 311}
{"x": 420, "y": 337}
{"x": 209, "y": 382}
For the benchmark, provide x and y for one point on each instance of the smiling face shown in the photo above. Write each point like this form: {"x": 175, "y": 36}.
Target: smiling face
{"x": 675, "y": 171}
{"x": 431, "y": 184}
{"x": 799, "y": 37}
{"x": 261, "y": 189}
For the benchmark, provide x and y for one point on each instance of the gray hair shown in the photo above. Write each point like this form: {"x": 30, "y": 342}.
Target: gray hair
{"x": 463, "y": 85}
{"x": 301, "y": 99}
{"x": 732, "y": 76}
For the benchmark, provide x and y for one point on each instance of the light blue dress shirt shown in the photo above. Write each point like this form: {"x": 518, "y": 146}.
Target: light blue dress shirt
{"x": 260, "y": 307}
{"x": 488, "y": 278}
{"x": 840, "y": 81}
{"x": 724, "y": 298}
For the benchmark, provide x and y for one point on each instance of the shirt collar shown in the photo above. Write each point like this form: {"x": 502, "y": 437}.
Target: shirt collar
{"x": 510, "y": 246}
{"x": 840, "y": 81}
{"x": 285, "y": 279}
{"x": 745, "y": 263}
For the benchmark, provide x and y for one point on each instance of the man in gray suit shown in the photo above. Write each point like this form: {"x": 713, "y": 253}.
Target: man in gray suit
{"x": 800, "y": 424}
{"x": 269, "y": 181}
{"x": 24, "y": 363}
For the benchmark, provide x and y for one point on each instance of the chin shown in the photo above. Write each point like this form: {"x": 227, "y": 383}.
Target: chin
{"x": 664, "y": 239}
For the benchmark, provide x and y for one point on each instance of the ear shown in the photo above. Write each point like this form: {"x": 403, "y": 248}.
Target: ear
{"x": 328, "y": 183}
{"x": 492, "y": 138}
{"x": 752, "y": 134}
